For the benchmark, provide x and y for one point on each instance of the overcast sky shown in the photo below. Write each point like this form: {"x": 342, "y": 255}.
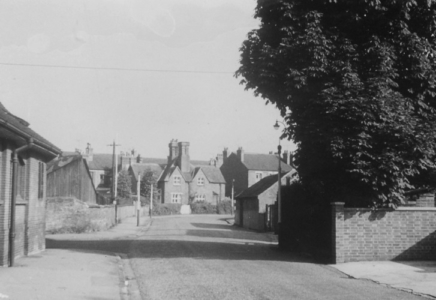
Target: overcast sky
{"x": 115, "y": 88}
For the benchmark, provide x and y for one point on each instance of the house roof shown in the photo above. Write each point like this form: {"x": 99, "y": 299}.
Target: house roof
{"x": 61, "y": 162}
{"x": 17, "y": 126}
{"x": 264, "y": 162}
{"x": 146, "y": 167}
{"x": 213, "y": 174}
{"x": 259, "y": 187}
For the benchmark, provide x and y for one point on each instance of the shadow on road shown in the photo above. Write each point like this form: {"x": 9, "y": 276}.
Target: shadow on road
{"x": 159, "y": 248}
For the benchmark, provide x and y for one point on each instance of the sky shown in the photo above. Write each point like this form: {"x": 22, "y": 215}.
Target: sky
{"x": 141, "y": 72}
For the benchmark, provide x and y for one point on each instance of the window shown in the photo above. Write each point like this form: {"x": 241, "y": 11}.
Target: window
{"x": 22, "y": 180}
{"x": 200, "y": 197}
{"x": 176, "y": 197}
{"x": 258, "y": 176}
{"x": 200, "y": 180}
{"x": 176, "y": 180}
{"x": 41, "y": 168}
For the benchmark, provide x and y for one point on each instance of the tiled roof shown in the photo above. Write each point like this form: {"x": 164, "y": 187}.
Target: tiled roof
{"x": 259, "y": 187}
{"x": 10, "y": 120}
{"x": 101, "y": 162}
{"x": 197, "y": 163}
{"x": 213, "y": 174}
{"x": 264, "y": 162}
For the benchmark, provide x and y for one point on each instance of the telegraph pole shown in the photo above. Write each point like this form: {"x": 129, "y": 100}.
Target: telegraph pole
{"x": 138, "y": 203}
{"x": 114, "y": 178}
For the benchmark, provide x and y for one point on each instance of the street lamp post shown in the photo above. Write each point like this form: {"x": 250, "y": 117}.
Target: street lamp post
{"x": 279, "y": 186}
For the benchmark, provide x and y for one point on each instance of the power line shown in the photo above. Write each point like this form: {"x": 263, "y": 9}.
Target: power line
{"x": 112, "y": 68}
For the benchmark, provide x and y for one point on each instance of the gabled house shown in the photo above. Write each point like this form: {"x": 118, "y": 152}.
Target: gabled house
{"x": 69, "y": 176}
{"x": 252, "y": 204}
{"x": 184, "y": 180}
{"x": 245, "y": 169}
{"x": 23, "y": 157}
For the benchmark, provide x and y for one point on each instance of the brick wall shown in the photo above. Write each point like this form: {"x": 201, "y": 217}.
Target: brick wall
{"x": 407, "y": 233}
{"x": 29, "y": 211}
{"x": 72, "y": 215}
{"x": 426, "y": 200}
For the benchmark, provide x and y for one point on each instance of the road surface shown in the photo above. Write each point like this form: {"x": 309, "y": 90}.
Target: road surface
{"x": 204, "y": 257}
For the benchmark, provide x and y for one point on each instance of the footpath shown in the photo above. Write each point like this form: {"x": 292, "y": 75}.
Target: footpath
{"x": 417, "y": 277}
{"x": 91, "y": 266}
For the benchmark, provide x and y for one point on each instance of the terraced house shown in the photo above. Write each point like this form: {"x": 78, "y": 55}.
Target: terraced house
{"x": 23, "y": 158}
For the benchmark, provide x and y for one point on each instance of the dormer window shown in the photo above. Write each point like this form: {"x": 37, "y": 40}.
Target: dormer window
{"x": 176, "y": 180}
{"x": 200, "y": 181}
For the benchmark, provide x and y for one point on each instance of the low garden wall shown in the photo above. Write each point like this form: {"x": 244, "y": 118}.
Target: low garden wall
{"x": 407, "y": 233}
{"x": 69, "y": 215}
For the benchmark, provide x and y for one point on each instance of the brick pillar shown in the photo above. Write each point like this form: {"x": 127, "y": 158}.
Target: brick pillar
{"x": 337, "y": 232}
{"x": 426, "y": 200}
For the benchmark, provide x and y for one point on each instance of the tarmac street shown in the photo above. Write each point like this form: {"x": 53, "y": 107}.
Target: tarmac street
{"x": 191, "y": 257}
{"x": 203, "y": 257}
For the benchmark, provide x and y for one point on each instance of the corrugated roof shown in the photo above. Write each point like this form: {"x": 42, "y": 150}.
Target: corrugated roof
{"x": 264, "y": 162}
{"x": 260, "y": 186}
{"x": 23, "y": 126}
{"x": 213, "y": 174}
{"x": 61, "y": 162}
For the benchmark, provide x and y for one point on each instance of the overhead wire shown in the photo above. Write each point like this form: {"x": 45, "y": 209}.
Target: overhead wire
{"x": 114, "y": 68}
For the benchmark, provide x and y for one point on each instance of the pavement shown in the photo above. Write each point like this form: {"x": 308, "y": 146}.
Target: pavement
{"x": 417, "y": 277}
{"x": 73, "y": 273}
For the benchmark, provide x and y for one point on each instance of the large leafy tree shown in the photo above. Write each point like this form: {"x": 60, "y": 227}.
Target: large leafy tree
{"x": 355, "y": 83}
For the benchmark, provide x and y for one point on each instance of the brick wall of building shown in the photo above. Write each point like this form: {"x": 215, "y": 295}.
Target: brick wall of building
{"x": 5, "y": 195}
{"x": 407, "y": 233}
{"x": 29, "y": 210}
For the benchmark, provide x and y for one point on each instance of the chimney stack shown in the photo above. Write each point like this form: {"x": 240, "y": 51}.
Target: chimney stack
{"x": 285, "y": 157}
{"x": 240, "y": 154}
{"x": 225, "y": 154}
{"x": 219, "y": 160}
{"x": 174, "y": 150}
{"x": 88, "y": 153}
{"x": 183, "y": 157}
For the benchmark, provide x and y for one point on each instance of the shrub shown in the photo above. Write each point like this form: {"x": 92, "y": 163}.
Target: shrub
{"x": 201, "y": 207}
{"x": 224, "y": 207}
{"x": 164, "y": 209}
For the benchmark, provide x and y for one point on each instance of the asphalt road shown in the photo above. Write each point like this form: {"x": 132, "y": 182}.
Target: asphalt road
{"x": 203, "y": 257}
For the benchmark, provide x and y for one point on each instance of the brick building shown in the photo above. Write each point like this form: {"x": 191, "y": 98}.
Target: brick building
{"x": 184, "y": 180}
{"x": 23, "y": 158}
{"x": 245, "y": 169}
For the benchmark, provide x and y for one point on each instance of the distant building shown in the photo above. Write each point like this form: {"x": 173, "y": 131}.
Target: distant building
{"x": 245, "y": 169}
{"x": 184, "y": 180}
{"x": 23, "y": 153}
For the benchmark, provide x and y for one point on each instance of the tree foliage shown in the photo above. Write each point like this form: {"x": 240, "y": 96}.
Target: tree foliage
{"x": 124, "y": 184}
{"x": 148, "y": 179}
{"x": 355, "y": 83}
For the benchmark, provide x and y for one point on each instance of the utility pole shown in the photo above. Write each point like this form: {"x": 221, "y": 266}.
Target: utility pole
{"x": 138, "y": 204}
{"x": 114, "y": 179}
{"x": 151, "y": 200}
{"x": 233, "y": 194}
